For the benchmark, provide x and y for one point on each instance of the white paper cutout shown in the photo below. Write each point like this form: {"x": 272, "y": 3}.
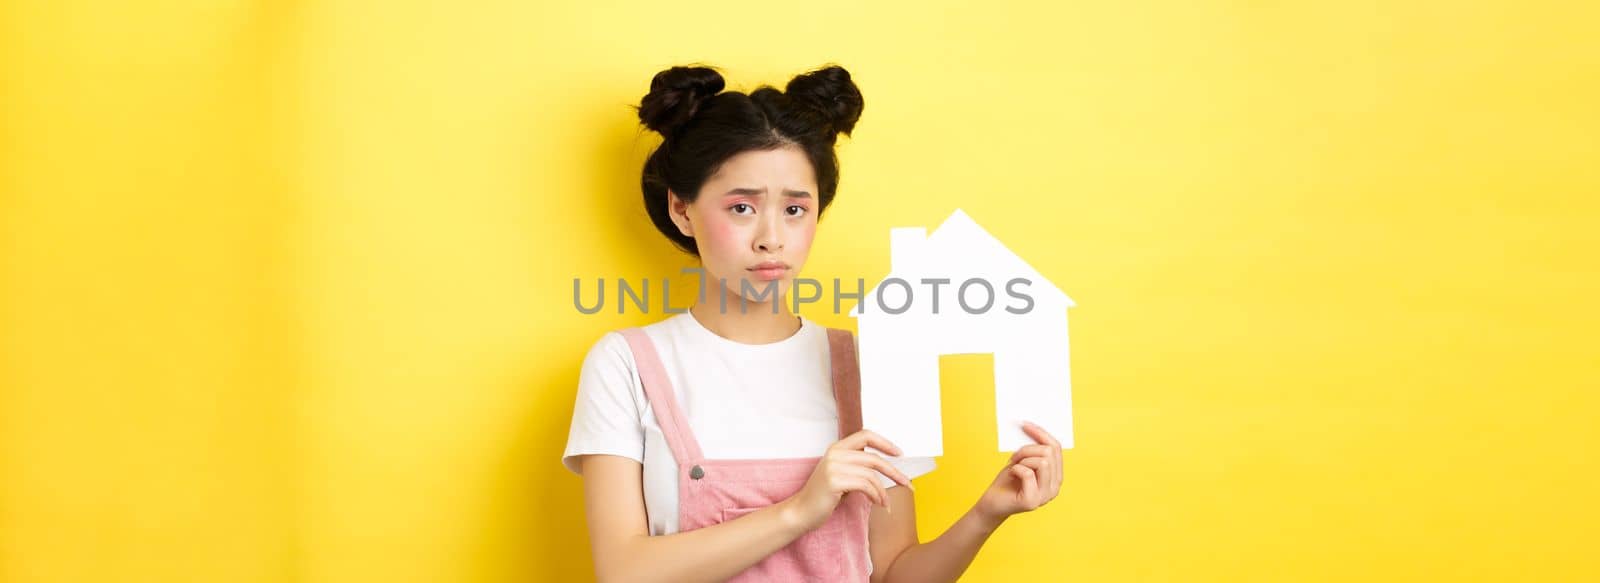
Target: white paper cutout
{"x": 899, "y": 352}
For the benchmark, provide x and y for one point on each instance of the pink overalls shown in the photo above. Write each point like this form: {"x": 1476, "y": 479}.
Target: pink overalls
{"x": 711, "y": 491}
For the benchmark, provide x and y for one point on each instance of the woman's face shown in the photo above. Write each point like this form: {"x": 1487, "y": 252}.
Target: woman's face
{"x": 753, "y": 222}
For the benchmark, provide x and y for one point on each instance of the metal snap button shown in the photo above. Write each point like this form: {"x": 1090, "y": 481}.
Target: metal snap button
{"x": 697, "y": 473}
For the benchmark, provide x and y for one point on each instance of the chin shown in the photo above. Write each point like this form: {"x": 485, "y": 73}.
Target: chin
{"x": 780, "y": 286}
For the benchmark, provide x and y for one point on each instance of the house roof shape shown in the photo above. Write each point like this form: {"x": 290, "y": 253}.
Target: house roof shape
{"x": 959, "y": 238}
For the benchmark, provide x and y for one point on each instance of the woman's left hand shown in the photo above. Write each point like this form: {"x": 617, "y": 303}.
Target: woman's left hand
{"x": 1031, "y": 479}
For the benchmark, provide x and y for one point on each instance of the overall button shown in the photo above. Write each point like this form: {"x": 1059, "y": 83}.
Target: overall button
{"x": 697, "y": 473}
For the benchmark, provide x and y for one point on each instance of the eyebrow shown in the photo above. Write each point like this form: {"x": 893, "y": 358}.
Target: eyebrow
{"x": 761, "y": 191}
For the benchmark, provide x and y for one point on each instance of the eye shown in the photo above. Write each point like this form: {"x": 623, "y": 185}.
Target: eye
{"x": 796, "y": 210}
{"x": 739, "y": 208}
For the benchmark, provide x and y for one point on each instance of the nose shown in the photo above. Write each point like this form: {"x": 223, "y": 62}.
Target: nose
{"x": 769, "y": 236}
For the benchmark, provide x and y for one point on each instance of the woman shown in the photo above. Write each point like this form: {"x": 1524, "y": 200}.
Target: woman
{"x": 725, "y": 442}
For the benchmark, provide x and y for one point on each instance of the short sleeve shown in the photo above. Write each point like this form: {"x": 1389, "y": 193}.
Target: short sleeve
{"x": 912, "y": 467}
{"x": 605, "y": 416}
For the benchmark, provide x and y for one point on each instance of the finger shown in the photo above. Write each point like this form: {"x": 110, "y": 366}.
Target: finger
{"x": 1038, "y": 465}
{"x": 877, "y": 462}
{"x": 1045, "y": 470}
{"x": 883, "y": 493}
{"x": 867, "y": 483}
{"x": 848, "y": 481}
{"x": 1056, "y": 451}
{"x": 1048, "y": 476}
{"x": 1035, "y": 450}
{"x": 1056, "y": 473}
{"x": 866, "y": 437}
{"x": 1030, "y": 483}
{"x": 1059, "y": 468}
{"x": 1039, "y": 434}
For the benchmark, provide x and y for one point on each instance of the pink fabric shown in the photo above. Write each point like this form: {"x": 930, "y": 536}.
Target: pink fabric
{"x": 730, "y": 488}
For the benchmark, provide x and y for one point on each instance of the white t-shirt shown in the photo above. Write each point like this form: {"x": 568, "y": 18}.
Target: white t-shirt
{"x": 742, "y": 400}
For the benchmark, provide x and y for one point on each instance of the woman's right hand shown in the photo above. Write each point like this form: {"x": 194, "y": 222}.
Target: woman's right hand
{"x": 845, "y": 467}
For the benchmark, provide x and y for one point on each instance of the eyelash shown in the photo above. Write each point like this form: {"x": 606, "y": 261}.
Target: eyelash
{"x": 736, "y": 206}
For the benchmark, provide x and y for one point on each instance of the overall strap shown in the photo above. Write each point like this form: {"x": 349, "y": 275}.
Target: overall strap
{"x": 846, "y": 379}
{"x": 658, "y": 390}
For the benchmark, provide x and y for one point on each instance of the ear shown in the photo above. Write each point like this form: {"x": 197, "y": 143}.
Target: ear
{"x": 679, "y": 211}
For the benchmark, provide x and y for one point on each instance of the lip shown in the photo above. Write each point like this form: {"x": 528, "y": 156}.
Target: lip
{"x": 769, "y": 270}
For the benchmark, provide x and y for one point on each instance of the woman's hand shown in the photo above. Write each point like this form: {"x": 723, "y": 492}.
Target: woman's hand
{"x": 1031, "y": 479}
{"x": 844, "y": 468}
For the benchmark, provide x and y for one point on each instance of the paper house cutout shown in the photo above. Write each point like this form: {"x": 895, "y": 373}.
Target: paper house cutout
{"x": 903, "y": 329}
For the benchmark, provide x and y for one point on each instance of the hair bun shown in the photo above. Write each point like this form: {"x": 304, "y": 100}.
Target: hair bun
{"x": 830, "y": 95}
{"x": 675, "y": 95}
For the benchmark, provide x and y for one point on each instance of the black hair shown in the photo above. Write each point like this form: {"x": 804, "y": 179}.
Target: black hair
{"x": 703, "y": 127}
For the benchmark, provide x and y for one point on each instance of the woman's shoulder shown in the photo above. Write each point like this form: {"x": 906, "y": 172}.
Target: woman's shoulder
{"x": 608, "y": 368}
{"x": 613, "y": 345}
{"x": 610, "y": 350}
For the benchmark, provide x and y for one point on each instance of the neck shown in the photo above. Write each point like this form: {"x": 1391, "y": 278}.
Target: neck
{"x": 755, "y": 323}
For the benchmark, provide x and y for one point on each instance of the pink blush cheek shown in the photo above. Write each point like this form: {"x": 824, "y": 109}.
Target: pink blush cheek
{"x": 800, "y": 248}
{"x": 717, "y": 240}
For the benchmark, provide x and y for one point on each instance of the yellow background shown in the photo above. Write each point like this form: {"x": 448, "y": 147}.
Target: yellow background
{"x": 285, "y": 287}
